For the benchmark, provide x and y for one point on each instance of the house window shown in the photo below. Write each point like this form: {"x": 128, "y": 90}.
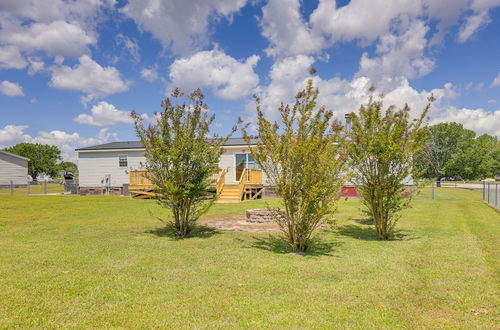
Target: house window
{"x": 122, "y": 160}
{"x": 243, "y": 161}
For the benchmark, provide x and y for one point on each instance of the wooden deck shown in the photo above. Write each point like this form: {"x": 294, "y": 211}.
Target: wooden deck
{"x": 249, "y": 187}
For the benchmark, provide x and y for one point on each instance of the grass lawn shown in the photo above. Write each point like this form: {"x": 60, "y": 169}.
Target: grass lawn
{"x": 71, "y": 261}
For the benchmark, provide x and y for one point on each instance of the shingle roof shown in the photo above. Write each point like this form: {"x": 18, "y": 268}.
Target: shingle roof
{"x": 138, "y": 144}
{"x": 13, "y": 155}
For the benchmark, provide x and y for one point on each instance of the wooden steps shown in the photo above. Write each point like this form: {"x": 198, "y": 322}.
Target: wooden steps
{"x": 230, "y": 193}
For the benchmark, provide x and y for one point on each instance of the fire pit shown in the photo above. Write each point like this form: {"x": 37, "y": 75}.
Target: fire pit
{"x": 259, "y": 216}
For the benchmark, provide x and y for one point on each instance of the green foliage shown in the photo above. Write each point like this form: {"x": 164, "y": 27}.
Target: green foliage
{"x": 43, "y": 158}
{"x": 68, "y": 166}
{"x": 453, "y": 151}
{"x": 180, "y": 159}
{"x": 381, "y": 150}
{"x": 304, "y": 158}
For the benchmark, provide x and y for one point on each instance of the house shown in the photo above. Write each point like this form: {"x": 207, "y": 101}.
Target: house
{"x": 13, "y": 168}
{"x": 113, "y": 167}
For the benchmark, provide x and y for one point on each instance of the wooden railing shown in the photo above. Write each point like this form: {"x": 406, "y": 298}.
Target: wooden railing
{"x": 249, "y": 176}
{"x": 138, "y": 178}
{"x": 219, "y": 183}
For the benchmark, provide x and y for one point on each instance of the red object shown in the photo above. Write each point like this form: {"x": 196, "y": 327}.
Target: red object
{"x": 349, "y": 191}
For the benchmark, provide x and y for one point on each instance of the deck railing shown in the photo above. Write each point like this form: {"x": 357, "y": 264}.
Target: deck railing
{"x": 248, "y": 177}
{"x": 138, "y": 178}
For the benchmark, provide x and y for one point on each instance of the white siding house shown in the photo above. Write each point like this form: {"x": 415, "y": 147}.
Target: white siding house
{"x": 13, "y": 167}
{"x": 114, "y": 160}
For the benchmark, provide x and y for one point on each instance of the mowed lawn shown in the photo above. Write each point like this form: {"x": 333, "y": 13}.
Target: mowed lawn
{"x": 71, "y": 261}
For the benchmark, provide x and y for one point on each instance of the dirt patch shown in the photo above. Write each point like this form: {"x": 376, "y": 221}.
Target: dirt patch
{"x": 239, "y": 223}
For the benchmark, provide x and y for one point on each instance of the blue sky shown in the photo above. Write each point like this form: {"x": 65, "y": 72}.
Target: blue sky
{"x": 70, "y": 71}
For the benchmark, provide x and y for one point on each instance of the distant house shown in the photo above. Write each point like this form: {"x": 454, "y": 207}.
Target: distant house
{"x": 106, "y": 168}
{"x": 13, "y": 168}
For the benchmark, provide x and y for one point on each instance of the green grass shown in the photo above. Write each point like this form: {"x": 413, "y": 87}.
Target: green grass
{"x": 70, "y": 261}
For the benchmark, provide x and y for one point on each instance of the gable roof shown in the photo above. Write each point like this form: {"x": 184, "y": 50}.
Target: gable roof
{"x": 13, "y": 155}
{"x": 120, "y": 145}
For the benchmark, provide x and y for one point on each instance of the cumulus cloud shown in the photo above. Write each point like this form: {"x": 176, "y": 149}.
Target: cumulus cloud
{"x": 10, "y": 88}
{"x": 67, "y": 142}
{"x": 150, "y": 74}
{"x": 369, "y": 22}
{"x": 105, "y": 114}
{"x": 55, "y": 27}
{"x": 181, "y": 25}
{"x": 11, "y": 58}
{"x": 283, "y": 25}
{"x": 227, "y": 77}
{"x": 399, "y": 55}
{"x": 12, "y": 134}
{"x": 496, "y": 81}
{"x": 341, "y": 96}
{"x": 88, "y": 77}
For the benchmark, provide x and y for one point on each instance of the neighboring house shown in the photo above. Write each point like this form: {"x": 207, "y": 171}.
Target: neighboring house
{"x": 106, "y": 168}
{"x": 13, "y": 168}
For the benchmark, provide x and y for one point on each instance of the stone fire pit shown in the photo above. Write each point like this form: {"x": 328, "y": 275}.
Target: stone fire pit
{"x": 259, "y": 216}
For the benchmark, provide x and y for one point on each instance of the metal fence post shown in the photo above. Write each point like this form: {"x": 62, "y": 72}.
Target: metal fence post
{"x": 28, "y": 188}
{"x": 11, "y": 188}
{"x": 432, "y": 190}
{"x": 45, "y": 187}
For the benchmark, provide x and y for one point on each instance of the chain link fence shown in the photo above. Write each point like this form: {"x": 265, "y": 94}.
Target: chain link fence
{"x": 52, "y": 187}
{"x": 491, "y": 194}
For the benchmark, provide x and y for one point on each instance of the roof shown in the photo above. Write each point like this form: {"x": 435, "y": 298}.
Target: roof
{"x": 138, "y": 145}
{"x": 13, "y": 155}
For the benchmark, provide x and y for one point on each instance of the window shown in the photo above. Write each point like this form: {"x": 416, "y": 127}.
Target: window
{"x": 122, "y": 160}
{"x": 243, "y": 161}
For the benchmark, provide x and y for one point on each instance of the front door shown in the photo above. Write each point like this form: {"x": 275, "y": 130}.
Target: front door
{"x": 243, "y": 161}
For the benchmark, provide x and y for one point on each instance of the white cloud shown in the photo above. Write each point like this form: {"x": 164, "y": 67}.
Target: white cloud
{"x": 180, "y": 24}
{"x": 88, "y": 77}
{"x": 11, "y": 89}
{"x": 36, "y": 65}
{"x": 479, "y": 120}
{"x": 11, "y": 58}
{"x": 67, "y": 142}
{"x": 478, "y": 19}
{"x": 149, "y": 74}
{"x": 343, "y": 96}
{"x": 399, "y": 55}
{"x": 55, "y": 38}
{"x": 12, "y": 134}
{"x": 230, "y": 79}
{"x": 496, "y": 81}
{"x": 105, "y": 114}
{"x": 53, "y": 27}
{"x": 283, "y": 26}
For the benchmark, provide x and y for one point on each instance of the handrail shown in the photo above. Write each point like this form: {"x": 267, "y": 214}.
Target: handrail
{"x": 249, "y": 176}
{"x": 220, "y": 181}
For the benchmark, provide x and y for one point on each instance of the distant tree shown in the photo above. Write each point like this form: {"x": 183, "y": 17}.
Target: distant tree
{"x": 444, "y": 140}
{"x": 475, "y": 159}
{"x": 304, "y": 157}
{"x": 382, "y": 149}
{"x": 43, "y": 158}
{"x": 180, "y": 158}
{"x": 68, "y": 166}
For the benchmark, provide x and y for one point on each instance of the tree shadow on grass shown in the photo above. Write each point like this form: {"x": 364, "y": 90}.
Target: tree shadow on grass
{"x": 197, "y": 231}
{"x": 278, "y": 244}
{"x": 364, "y": 221}
{"x": 369, "y": 233}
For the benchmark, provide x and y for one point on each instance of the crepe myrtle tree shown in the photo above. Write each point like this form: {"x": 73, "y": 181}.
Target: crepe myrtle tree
{"x": 304, "y": 157}
{"x": 180, "y": 158}
{"x": 382, "y": 148}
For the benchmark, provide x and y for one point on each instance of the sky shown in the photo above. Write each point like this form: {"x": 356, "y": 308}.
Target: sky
{"x": 71, "y": 71}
